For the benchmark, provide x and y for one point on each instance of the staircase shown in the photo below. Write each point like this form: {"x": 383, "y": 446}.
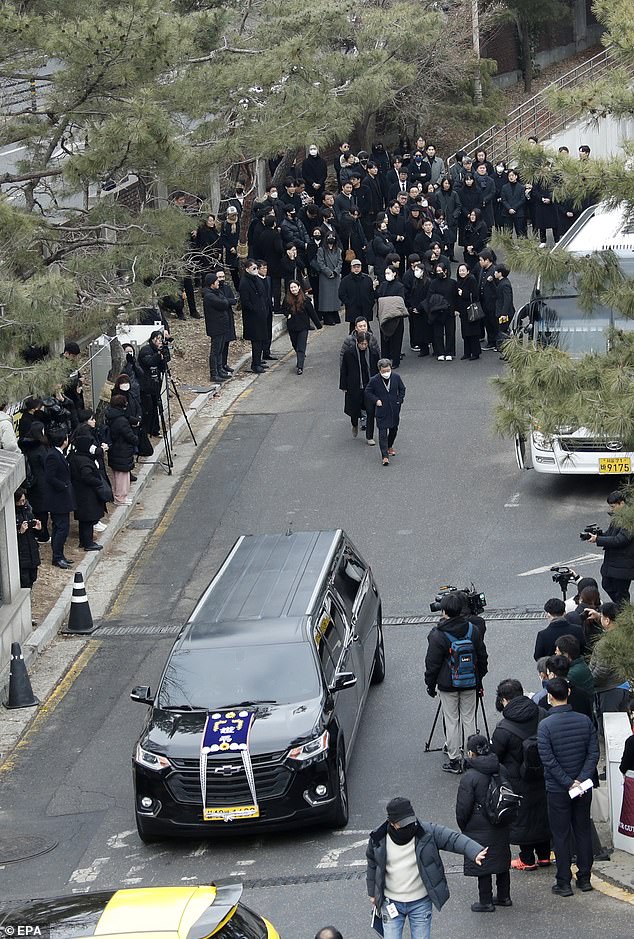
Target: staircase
{"x": 535, "y": 117}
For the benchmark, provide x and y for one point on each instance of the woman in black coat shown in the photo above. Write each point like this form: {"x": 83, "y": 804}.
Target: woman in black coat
{"x": 472, "y": 820}
{"x": 475, "y": 237}
{"x": 300, "y": 313}
{"x": 35, "y": 446}
{"x": 121, "y": 451}
{"x": 382, "y": 245}
{"x": 544, "y": 211}
{"x": 470, "y": 198}
{"x": 358, "y": 364}
{"x": 467, "y": 294}
{"x": 87, "y": 480}
{"x": 28, "y": 551}
{"x": 217, "y": 310}
{"x": 449, "y": 205}
{"x": 530, "y": 830}
{"x": 441, "y": 306}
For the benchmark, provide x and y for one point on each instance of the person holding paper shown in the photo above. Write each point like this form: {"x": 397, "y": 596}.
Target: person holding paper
{"x": 569, "y": 751}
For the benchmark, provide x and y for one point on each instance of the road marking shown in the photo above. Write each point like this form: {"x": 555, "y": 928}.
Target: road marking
{"x": 119, "y": 841}
{"x": 199, "y": 851}
{"x": 611, "y": 890}
{"x": 353, "y": 831}
{"x": 119, "y": 606}
{"x": 356, "y": 863}
{"x": 514, "y": 502}
{"x": 87, "y": 875}
{"x": 582, "y": 559}
{"x": 50, "y": 704}
{"x": 331, "y": 858}
{"x": 245, "y": 863}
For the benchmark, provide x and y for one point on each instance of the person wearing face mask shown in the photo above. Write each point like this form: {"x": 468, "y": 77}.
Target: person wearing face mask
{"x": 385, "y": 394}
{"x": 370, "y": 198}
{"x": 391, "y": 312}
{"x": 472, "y": 819}
{"x": 405, "y": 876}
{"x": 500, "y": 178}
{"x": 267, "y": 245}
{"x": 419, "y": 170}
{"x": 299, "y": 312}
{"x": 314, "y": 173}
{"x": 328, "y": 263}
{"x": 415, "y": 281}
{"x": 359, "y": 362}
{"x": 356, "y": 293}
{"x": 441, "y": 305}
{"x": 314, "y": 244}
{"x": 237, "y": 201}
{"x": 253, "y": 300}
{"x": 382, "y": 246}
{"x": 469, "y": 199}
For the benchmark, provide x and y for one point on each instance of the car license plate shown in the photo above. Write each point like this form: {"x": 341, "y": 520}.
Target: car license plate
{"x": 616, "y": 464}
{"x": 231, "y": 812}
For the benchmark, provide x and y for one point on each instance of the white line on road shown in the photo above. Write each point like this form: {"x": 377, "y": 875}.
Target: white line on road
{"x": 199, "y": 851}
{"x": 119, "y": 841}
{"x": 514, "y": 502}
{"x": 353, "y": 831}
{"x": 87, "y": 875}
{"x": 245, "y": 863}
{"x": 582, "y": 559}
{"x": 331, "y": 858}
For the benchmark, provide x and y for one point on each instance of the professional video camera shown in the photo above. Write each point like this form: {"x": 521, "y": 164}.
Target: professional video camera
{"x": 563, "y": 576}
{"x": 590, "y": 530}
{"x": 476, "y": 601}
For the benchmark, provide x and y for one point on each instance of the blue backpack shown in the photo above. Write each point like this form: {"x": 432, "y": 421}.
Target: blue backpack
{"x": 462, "y": 660}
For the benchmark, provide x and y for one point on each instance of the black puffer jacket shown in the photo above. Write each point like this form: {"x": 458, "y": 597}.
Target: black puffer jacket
{"x": 618, "y": 548}
{"x": 521, "y": 717}
{"x": 123, "y": 440}
{"x": 217, "y": 311}
{"x": 472, "y": 819}
{"x": 437, "y": 674}
{"x": 568, "y": 748}
{"x": 28, "y": 550}
{"x": 430, "y": 839}
{"x": 87, "y": 478}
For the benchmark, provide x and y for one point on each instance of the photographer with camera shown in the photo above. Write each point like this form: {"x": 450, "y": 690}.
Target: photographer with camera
{"x": 28, "y": 550}
{"x": 153, "y": 359}
{"x": 455, "y": 664}
{"x": 617, "y": 570}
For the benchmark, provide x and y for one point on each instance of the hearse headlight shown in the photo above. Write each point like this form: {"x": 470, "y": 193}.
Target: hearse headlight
{"x": 151, "y": 760}
{"x": 308, "y": 751}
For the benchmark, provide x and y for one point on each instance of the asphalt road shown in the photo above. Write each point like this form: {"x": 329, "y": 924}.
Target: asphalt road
{"x": 452, "y": 507}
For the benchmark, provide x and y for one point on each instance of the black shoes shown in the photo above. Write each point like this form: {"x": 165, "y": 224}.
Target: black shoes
{"x": 300, "y": 371}
{"x": 93, "y": 547}
{"x": 584, "y": 885}
{"x": 257, "y": 369}
{"x": 63, "y": 564}
{"x": 227, "y": 368}
{"x": 218, "y": 378}
{"x": 482, "y": 908}
{"x": 505, "y": 902}
{"x": 270, "y": 358}
{"x": 195, "y": 316}
{"x": 453, "y": 766}
{"x": 562, "y": 890}
{"x": 133, "y": 478}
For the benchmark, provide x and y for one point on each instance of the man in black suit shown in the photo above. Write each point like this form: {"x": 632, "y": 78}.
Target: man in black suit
{"x": 60, "y": 498}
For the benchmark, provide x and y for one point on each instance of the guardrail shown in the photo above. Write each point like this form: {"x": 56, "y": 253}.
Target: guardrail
{"x": 535, "y": 117}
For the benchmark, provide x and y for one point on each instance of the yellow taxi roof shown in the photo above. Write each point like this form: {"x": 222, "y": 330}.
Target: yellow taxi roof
{"x": 160, "y": 911}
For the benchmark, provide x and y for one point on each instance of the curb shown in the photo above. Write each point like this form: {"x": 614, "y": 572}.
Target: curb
{"x": 35, "y": 644}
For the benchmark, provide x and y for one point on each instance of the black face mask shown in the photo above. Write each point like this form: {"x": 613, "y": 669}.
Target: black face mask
{"x": 402, "y": 835}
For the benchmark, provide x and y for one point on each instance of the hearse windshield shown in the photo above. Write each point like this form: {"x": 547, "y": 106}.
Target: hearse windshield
{"x": 210, "y": 677}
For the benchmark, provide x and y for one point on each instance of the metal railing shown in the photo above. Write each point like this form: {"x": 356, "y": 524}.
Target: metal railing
{"x": 535, "y": 117}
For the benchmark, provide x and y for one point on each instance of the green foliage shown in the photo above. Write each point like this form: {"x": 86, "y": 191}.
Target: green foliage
{"x": 616, "y": 647}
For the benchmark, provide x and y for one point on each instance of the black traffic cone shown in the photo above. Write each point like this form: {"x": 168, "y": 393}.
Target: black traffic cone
{"x": 80, "y": 618}
{"x": 20, "y": 691}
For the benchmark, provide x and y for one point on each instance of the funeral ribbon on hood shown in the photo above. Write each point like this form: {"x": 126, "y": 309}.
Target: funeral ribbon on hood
{"x": 227, "y": 733}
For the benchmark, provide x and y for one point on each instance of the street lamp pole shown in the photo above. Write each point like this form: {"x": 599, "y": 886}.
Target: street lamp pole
{"x": 475, "y": 29}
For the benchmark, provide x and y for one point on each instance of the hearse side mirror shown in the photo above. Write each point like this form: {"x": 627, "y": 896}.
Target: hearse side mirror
{"x": 142, "y": 695}
{"x": 342, "y": 681}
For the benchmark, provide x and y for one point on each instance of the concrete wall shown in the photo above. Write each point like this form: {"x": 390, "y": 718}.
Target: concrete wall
{"x": 605, "y": 137}
{"x": 15, "y": 602}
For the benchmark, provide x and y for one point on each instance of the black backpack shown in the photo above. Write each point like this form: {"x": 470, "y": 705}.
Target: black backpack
{"x": 531, "y": 767}
{"x": 502, "y": 803}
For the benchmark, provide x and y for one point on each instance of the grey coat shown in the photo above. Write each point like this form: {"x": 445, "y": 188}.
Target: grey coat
{"x": 326, "y": 264}
{"x": 430, "y": 839}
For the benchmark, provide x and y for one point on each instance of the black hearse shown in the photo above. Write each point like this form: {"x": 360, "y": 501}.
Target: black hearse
{"x": 288, "y": 634}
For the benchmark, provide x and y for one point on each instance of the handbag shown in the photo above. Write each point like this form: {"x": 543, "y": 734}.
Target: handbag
{"x": 104, "y": 490}
{"x": 349, "y": 255}
{"x": 475, "y": 313}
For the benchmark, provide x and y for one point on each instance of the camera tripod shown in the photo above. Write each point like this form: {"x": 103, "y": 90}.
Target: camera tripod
{"x": 166, "y": 425}
{"x": 479, "y": 707}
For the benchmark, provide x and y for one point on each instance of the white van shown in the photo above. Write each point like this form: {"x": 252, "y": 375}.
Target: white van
{"x": 554, "y": 318}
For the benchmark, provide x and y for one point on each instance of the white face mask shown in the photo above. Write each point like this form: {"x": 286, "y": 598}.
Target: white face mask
{"x": 500, "y": 169}
{"x": 418, "y": 272}
{"x": 274, "y": 194}
{"x": 313, "y": 151}
{"x": 390, "y": 275}
{"x": 124, "y": 388}
{"x": 386, "y": 375}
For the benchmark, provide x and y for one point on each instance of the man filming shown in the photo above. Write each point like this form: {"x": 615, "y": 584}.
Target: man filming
{"x": 455, "y": 664}
{"x": 153, "y": 359}
{"x": 617, "y": 570}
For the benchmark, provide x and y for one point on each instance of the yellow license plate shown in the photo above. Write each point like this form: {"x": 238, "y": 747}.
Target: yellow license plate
{"x": 617, "y": 464}
{"x": 230, "y": 812}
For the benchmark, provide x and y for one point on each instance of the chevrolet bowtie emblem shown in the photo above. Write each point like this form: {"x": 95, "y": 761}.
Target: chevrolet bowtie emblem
{"x": 227, "y": 770}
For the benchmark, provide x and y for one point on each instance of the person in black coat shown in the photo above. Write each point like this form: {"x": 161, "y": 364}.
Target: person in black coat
{"x": 504, "y": 306}
{"x": 356, "y": 292}
{"x": 86, "y": 475}
{"x": 546, "y": 639}
{"x": 441, "y": 305}
{"x": 229, "y": 293}
{"x": 254, "y": 314}
{"x": 370, "y": 198}
{"x": 229, "y": 239}
{"x": 59, "y": 495}
{"x": 415, "y": 283}
{"x": 268, "y": 247}
{"x": 449, "y": 204}
{"x": 544, "y": 211}
{"x": 121, "y": 451}
{"x": 385, "y": 394}
{"x": 152, "y": 361}
{"x": 467, "y": 289}
{"x": 617, "y": 570}
{"x": 382, "y": 246}
{"x": 300, "y": 313}
{"x": 476, "y": 236}
{"x": 217, "y": 310}
{"x": 314, "y": 174}
{"x": 28, "y": 552}
{"x": 472, "y": 820}
{"x": 520, "y": 720}
{"x": 469, "y": 196}
{"x": 513, "y": 196}
{"x": 358, "y": 365}
{"x": 35, "y": 446}
{"x": 487, "y": 293}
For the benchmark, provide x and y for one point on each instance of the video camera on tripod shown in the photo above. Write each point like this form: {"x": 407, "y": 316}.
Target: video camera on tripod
{"x": 475, "y": 600}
